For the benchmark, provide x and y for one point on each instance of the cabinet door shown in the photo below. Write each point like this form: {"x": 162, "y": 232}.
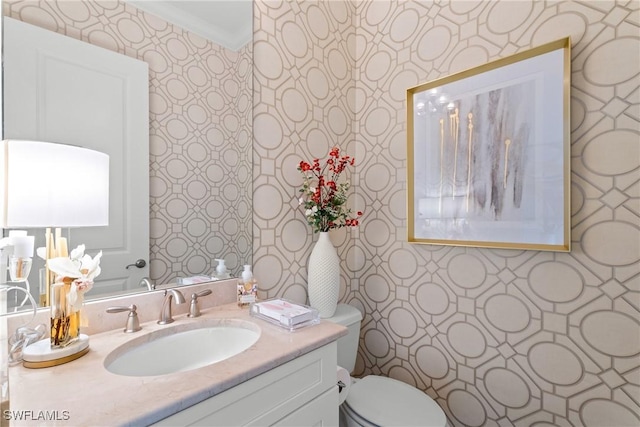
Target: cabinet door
{"x": 321, "y": 411}
{"x": 269, "y": 397}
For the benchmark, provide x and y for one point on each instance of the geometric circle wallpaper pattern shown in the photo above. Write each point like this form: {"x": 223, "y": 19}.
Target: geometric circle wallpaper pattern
{"x": 496, "y": 337}
{"x": 200, "y": 130}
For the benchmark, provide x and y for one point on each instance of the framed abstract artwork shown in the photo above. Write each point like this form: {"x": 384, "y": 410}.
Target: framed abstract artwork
{"x": 488, "y": 153}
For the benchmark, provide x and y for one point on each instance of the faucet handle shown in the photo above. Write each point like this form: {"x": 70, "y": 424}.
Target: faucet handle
{"x": 202, "y": 293}
{"x": 194, "y": 310}
{"x": 133, "y": 324}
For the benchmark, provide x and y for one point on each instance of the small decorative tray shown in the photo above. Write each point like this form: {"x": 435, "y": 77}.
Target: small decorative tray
{"x": 286, "y": 314}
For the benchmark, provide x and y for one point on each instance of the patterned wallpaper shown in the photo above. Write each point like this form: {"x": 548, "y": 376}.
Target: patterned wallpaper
{"x": 200, "y": 129}
{"x": 303, "y": 105}
{"x": 496, "y": 337}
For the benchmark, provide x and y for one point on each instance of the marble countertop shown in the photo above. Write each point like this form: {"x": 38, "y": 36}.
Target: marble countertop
{"x": 83, "y": 392}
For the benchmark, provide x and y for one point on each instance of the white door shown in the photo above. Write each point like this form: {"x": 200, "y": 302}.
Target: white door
{"x": 59, "y": 89}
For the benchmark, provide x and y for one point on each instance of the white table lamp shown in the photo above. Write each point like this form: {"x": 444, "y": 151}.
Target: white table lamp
{"x": 53, "y": 185}
{"x": 45, "y": 184}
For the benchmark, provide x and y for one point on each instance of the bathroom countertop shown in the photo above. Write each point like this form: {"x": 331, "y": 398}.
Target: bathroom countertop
{"x": 83, "y": 392}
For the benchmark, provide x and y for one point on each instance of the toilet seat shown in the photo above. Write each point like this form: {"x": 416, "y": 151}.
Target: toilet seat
{"x": 383, "y": 401}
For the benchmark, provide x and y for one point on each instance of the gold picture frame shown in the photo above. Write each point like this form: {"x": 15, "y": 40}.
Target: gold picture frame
{"x": 488, "y": 153}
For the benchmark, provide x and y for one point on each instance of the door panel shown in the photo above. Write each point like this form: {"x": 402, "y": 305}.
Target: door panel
{"x": 59, "y": 89}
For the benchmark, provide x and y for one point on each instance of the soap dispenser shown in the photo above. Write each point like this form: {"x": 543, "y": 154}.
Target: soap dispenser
{"x": 221, "y": 269}
{"x": 247, "y": 288}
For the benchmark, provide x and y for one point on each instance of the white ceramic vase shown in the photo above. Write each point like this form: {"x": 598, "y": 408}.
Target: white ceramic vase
{"x": 324, "y": 276}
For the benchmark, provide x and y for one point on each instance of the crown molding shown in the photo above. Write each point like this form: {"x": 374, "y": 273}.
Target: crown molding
{"x": 172, "y": 13}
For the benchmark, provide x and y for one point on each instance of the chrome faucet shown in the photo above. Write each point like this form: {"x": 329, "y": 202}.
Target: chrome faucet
{"x": 146, "y": 282}
{"x": 165, "y": 312}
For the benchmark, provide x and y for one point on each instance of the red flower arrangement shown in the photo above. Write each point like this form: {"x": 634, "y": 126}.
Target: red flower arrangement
{"x": 323, "y": 197}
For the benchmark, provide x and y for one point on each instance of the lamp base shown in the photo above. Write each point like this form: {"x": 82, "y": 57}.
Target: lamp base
{"x": 41, "y": 355}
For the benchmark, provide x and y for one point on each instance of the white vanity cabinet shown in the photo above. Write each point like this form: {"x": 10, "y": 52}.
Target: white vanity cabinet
{"x": 302, "y": 392}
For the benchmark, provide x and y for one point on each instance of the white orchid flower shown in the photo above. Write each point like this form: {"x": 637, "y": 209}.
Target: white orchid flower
{"x": 80, "y": 267}
{"x": 76, "y": 294}
{"x": 64, "y": 267}
{"x": 90, "y": 267}
{"x": 78, "y": 252}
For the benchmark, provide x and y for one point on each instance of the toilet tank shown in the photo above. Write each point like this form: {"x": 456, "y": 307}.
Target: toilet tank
{"x": 350, "y": 317}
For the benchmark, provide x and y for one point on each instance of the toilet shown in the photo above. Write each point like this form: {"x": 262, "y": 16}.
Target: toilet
{"x": 375, "y": 400}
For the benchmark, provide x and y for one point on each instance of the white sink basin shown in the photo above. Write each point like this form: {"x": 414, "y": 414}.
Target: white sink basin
{"x": 182, "y": 348}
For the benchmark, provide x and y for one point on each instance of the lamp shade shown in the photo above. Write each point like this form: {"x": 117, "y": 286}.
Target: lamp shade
{"x": 46, "y": 184}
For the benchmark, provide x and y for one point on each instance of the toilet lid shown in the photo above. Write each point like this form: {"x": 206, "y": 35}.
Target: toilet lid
{"x": 388, "y": 402}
